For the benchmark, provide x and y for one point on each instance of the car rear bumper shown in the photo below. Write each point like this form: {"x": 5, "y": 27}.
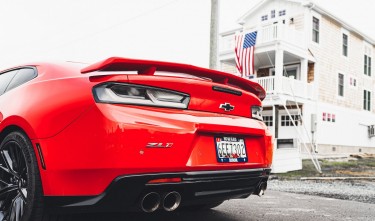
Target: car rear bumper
{"x": 110, "y": 141}
{"x": 202, "y": 187}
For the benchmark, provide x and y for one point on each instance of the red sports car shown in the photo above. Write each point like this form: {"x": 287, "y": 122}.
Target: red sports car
{"x": 126, "y": 134}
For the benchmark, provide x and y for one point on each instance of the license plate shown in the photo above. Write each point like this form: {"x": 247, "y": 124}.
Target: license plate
{"x": 230, "y": 149}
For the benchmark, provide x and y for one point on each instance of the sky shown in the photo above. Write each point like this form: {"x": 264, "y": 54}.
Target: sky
{"x": 169, "y": 30}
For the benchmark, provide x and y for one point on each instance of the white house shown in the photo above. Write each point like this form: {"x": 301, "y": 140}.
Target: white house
{"x": 318, "y": 73}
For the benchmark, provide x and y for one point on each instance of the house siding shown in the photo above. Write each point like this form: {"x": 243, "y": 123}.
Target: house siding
{"x": 299, "y": 22}
{"x": 331, "y": 62}
{"x": 310, "y": 72}
{"x": 293, "y": 10}
{"x": 349, "y": 132}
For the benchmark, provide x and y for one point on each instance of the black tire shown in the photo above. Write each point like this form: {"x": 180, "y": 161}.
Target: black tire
{"x": 21, "y": 194}
{"x": 203, "y": 206}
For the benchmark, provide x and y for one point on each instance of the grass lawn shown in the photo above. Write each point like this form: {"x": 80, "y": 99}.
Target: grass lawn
{"x": 334, "y": 168}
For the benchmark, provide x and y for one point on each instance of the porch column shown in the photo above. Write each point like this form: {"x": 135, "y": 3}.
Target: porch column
{"x": 279, "y": 68}
{"x": 275, "y": 121}
{"x": 304, "y": 70}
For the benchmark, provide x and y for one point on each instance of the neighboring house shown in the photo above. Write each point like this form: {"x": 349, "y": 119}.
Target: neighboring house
{"x": 318, "y": 74}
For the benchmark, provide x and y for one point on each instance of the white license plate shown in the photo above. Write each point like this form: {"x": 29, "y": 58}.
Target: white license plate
{"x": 230, "y": 149}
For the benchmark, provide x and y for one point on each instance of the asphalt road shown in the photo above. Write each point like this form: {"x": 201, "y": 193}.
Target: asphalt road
{"x": 273, "y": 206}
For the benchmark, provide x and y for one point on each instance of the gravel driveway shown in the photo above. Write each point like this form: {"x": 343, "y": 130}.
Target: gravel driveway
{"x": 361, "y": 191}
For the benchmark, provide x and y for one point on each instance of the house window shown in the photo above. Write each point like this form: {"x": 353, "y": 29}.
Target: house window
{"x": 315, "y": 30}
{"x": 345, "y": 45}
{"x": 367, "y": 59}
{"x": 286, "y": 121}
{"x": 352, "y": 81}
{"x": 341, "y": 85}
{"x": 273, "y": 13}
{"x": 264, "y": 18}
{"x": 268, "y": 120}
{"x": 282, "y": 12}
{"x": 291, "y": 71}
{"x": 367, "y": 65}
{"x": 329, "y": 117}
{"x": 366, "y": 100}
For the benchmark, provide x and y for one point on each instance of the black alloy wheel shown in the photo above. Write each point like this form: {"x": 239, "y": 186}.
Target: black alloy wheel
{"x": 20, "y": 189}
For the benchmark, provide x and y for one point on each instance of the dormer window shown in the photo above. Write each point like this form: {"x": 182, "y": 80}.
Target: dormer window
{"x": 273, "y": 13}
{"x": 264, "y": 18}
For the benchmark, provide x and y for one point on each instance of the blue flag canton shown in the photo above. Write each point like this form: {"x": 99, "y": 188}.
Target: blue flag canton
{"x": 250, "y": 39}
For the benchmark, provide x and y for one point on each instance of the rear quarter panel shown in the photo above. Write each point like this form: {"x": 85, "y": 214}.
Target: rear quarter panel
{"x": 44, "y": 106}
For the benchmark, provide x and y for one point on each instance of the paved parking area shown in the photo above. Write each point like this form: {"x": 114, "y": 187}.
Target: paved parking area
{"x": 273, "y": 206}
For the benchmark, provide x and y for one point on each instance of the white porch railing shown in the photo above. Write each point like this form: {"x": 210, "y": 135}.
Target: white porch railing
{"x": 288, "y": 86}
{"x": 268, "y": 83}
{"x": 281, "y": 32}
{"x": 276, "y": 32}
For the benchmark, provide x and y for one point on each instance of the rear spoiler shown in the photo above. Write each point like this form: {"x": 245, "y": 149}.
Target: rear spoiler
{"x": 146, "y": 67}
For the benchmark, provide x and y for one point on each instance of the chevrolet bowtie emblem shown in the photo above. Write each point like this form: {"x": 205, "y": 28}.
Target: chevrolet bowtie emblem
{"x": 226, "y": 107}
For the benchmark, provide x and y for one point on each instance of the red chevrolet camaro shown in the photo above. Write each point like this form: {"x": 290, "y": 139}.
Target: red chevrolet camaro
{"x": 125, "y": 135}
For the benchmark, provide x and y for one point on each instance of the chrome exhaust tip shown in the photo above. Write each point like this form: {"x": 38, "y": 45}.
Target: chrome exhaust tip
{"x": 171, "y": 201}
{"x": 262, "y": 188}
{"x": 150, "y": 202}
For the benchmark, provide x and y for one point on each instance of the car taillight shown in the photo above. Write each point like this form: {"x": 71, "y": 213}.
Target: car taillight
{"x": 256, "y": 113}
{"x": 119, "y": 93}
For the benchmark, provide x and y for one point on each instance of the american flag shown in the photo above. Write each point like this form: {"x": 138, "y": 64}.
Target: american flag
{"x": 245, "y": 46}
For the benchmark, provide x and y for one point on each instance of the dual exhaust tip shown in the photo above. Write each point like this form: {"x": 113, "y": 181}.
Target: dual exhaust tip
{"x": 153, "y": 201}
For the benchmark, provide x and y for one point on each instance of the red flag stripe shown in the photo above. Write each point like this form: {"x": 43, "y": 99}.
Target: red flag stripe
{"x": 244, "y": 56}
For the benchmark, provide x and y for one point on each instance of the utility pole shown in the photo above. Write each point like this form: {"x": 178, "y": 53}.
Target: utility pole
{"x": 214, "y": 27}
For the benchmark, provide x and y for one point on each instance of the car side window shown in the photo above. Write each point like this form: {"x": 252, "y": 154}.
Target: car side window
{"x": 5, "y": 79}
{"x": 23, "y": 75}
